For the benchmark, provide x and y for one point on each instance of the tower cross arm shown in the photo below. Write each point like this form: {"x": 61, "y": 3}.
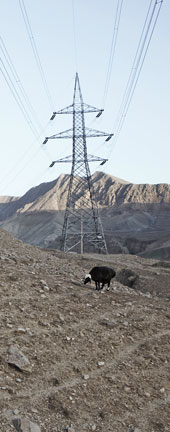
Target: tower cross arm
{"x": 71, "y": 108}
{"x": 65, "y": 134}
{"x": 90, "y": 133}
{"x": 69, "y": 159}
{"x": 66, "y": 110}
{"x": 88, "y": 108}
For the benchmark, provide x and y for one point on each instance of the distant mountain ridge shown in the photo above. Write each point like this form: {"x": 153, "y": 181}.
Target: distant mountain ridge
{"x": 135, "y": 210}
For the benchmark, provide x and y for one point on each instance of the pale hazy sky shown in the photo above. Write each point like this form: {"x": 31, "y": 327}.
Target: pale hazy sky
{"x": 76, "y": 35}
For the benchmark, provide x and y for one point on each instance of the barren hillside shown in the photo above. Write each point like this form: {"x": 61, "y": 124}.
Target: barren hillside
{"x": 135, "y": 217}
{"x": 74, "y": 359}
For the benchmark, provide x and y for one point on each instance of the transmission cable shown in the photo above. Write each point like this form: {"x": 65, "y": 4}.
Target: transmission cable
{"x": 35, "y": 52}
{"x": 145, "y": 39}
{"x": 18, "y": 81}
{"x": 21, "y": 100}
{"x": 142, "y": 49}
{"x": 113, "y": 49}
{"x": 21, "y": 170}
{"x": 136, "y": 78}
{"x": 17, "y": 97}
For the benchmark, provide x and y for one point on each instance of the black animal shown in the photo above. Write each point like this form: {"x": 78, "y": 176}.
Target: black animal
{"x": 101, "y": 276}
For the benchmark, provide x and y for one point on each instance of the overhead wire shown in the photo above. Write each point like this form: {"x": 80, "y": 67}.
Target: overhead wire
{"x": 25, "y": 113}
{"x": 18, "y": 82}
{"x": 35, "y": 52}
{"x": 17, "y": 97}
{"x": 134, "y": 67}
{"x": 21, "y": 105}
{"x": 14, "y": 83}
{"x": 142, "y": 49}
{"x": 20, "y": 171}
{"x": 113, "y": 49}
{"x": 138, "y": 74}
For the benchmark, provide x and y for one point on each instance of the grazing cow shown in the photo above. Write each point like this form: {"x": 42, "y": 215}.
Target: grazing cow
{"x": 101, "y": 276}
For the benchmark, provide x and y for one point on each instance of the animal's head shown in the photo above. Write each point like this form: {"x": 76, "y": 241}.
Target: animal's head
{"x": 87, "y": 278}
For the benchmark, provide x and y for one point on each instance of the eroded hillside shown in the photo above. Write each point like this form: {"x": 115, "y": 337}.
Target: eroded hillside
{"x": 135, "y": 217}
{"x": 95, "y": 361}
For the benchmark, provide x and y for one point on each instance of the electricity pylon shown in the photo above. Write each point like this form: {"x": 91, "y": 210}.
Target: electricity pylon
{"x": 82, "y": 229}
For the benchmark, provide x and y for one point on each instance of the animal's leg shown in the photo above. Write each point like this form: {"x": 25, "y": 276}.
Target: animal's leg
{"x": 98, "y": 286}
{"x": 108, "y": 285}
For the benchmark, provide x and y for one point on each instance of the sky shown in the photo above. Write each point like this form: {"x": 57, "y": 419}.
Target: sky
{"x": 75, "y": 36}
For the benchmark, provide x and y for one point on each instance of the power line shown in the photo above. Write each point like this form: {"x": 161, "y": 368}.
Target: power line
{"x": 24, "y": 105}
{"x": 18, "y": 81}
{"x": 20, "y": 161}
{"x": 17, "y": 98}
{"x": 145, "y": 39}
{"x": 137, "y": 77}
{"x": 21, "y": 170}
{"x": 35, "y": 52}
{"x": 21, "y": 100}
{"x": 113, "y": 49}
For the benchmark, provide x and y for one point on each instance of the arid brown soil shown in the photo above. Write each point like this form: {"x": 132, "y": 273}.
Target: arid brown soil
{"x": 99, "y": 361}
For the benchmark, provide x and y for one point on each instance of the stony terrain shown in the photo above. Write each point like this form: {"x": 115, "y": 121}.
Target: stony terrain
{"x": 135, "y": 217}
{"x": 88, "y": 361}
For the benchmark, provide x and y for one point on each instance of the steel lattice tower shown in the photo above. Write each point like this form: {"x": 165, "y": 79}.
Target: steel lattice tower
{"x": 82, "y": 229}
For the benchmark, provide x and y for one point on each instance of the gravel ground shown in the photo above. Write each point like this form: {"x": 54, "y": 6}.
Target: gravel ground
{"x": 96, "y": 361}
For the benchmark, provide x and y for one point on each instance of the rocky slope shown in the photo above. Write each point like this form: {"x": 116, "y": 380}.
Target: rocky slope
{"x": 73, "y": 359}
{"x": 134, "y": 217}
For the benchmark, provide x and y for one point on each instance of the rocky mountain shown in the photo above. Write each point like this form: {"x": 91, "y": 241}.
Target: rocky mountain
{"x": 135, "y": 217}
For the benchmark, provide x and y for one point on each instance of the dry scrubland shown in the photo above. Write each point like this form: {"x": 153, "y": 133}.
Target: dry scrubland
{"x": 96, "y": 361}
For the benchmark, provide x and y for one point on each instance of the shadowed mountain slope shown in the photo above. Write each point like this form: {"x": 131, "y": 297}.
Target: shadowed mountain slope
{"x": 135, "y": 217}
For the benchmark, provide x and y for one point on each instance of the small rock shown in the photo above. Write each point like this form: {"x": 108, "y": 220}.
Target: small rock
{"x": 43, "y": 282}
{"x": 127, "y": 389}
{"x": 93, "y": 427}
{"x": 69, "y": 428}
{"x": 125, "y": 323}
{"x": 107, "y": 322}
{"x": 20, "y": 330}
{"x": 100, "y": 363}
{"x": 18, "y": 359}
{"x": 85, "y": 377}
{"x": 18, "y": 380}
{"x": 9, "y": 325}
{"x": 25, "y": 425}
{"x": 61, "y": 318}
{"x": 147, "y": 394}
{"x": 16, "y": 412}
{"x": 162, "y": 390}
{"x": 111, "y": 378}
